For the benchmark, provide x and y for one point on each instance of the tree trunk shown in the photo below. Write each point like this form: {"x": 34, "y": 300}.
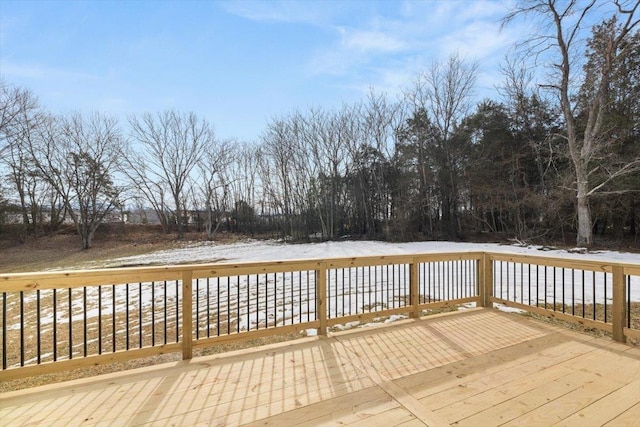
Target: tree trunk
{"x": 585, "y": 233}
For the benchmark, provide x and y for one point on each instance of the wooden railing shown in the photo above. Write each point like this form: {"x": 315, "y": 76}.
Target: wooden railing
{"x": 596, "y": 294}
{"x": 64, "y": 320}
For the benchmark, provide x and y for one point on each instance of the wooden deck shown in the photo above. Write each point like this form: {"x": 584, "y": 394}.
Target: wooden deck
{"x": 478, "y": 368}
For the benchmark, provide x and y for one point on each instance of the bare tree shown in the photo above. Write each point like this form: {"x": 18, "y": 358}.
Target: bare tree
{"x": 20, "y": 118}
{"x": 445, "y": 93}
{"x": 148, "y": 186}
{"x": 278, "y": 148}
{"x": 381, "y": 122}
{"x": 173, "y": 143}
{"x": 242, "y": 187}
{"x": 326, "y": 138}
{"x": 78, "y": 156}
{"x": 561, "y": 25}
{"x": 213, "y": 183}
{"x": 15, "y": 104}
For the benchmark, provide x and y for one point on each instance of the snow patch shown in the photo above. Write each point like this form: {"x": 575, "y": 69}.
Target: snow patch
{"x": 506, "y": 309}
{"x": 271, "y": 250}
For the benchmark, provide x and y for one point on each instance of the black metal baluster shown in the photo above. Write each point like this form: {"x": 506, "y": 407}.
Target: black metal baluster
{"x": 545, "y": 287}
{"x": 369, "y": 287}
{"x": 248, "y": 304}
{"x": 126, "y": 315}
{"x": 99, "y": 319}
{"x": 21, "y": 328}
{"x": 84, "y": 323}
{"x": 197, "y": 325}
{"x": 593, "y": 286}
{"x": 605, "y": 296}
{"x": 70, "y": 306}
{"x": 629, "y": 301}
{"x": 55, "y": 325}
{"x": 153, "y": 314}
{"x": 39, "y": 329}
{"x": 208, "y": 308}
{"x": 299, "y": 296}
{"x": 140, "y": 313}
{"x": 178, "y": 311}
{"x": 4, "y": 331}
{"x": 113, "y": 316}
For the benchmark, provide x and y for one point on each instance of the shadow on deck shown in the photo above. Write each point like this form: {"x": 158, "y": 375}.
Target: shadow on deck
{"x": 479, "y": 367}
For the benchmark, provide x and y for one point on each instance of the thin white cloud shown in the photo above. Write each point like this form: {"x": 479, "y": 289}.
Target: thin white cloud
{"x": 373, "y": 41}
{"x": 386, "y": 51}
{"x": 478, "y": 39}
{"x": 285, "y": 11}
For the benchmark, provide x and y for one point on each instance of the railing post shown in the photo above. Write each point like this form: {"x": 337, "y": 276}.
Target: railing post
{"x": 321, "y": 297}
{"x": 187, "y": 315}
{"x": 413, "y": 290}
{"x": 485, "y": 280}
{"x": 619, "y": 299}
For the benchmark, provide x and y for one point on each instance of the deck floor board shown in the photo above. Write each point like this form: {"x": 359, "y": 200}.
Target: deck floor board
{"x": 479, "y": 367}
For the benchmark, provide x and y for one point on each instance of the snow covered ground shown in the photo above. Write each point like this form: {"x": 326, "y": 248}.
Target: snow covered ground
{"x": 254, "y": 250}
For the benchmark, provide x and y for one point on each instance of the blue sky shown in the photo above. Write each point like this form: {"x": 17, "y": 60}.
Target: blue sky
{"x": 238, "y": 64}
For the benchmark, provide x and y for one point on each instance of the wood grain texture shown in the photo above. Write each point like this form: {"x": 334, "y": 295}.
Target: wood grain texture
{"x": 480, "y": 367}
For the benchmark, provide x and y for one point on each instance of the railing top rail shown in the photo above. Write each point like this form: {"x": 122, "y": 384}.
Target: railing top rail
{"x": 74, "y": 278}
{"x": 566, "y": 262}
{"x": 11, "y": 282}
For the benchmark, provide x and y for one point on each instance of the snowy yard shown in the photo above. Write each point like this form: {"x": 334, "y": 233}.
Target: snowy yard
{"x": 257, "y": 250}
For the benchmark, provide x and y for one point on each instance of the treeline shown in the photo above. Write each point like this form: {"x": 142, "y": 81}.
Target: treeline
{"x": 430, "y": 165}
